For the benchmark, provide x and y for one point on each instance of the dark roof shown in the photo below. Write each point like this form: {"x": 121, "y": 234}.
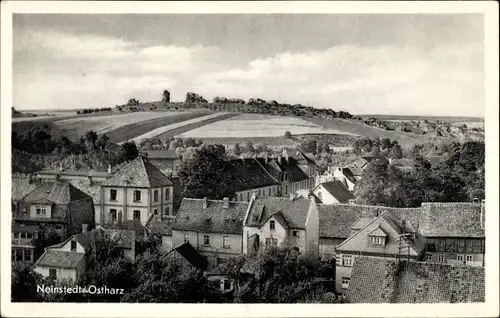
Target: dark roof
{"x": 80, "y": 173}
{"x": 59, "y": 259}
{"x": 24, "y": 228}
{"x": 247, "y": 174}
{"x": 451, "y": 220}
{"x": 379, "y": 280}
{"x": 21, "y": 186}
{"x": 129, "y": 225}
{"x": 386, "y": 225}
{"x": 307, "y": 194}
{"x": 162, "y": 154}
{"x": 192, "y": 256}
{"x": 139, "y": 173}
{"x": 300, "y": 157}
{"x": 295, "y": 174}
{"x": 338, "y": 190}
{"x": 293, "y": 211}
{"x": 93, "y": 190}
{"x": 161, "y": 227}
{"x": 58, "y": 192}
{"x": 349, "y": 175}
{"x": 124, "y": 238}
{"x": 83, "y": 239}
{"x": 336, "y": 219}
{"x": 191, "y": 216}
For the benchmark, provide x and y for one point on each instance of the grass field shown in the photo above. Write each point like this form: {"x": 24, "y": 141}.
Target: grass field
{"x": 258, "y": 126}
{"x": 429, "y": 118}
{"x": 268, "y": 141}
{"x": 171, "y": 129}
{"x": 76, "y": 127}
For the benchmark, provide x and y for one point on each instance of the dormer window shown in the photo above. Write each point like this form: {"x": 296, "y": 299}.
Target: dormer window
{"x": 377, "y": 236}
{"x": 41, "y": 210}
{"x": 73, "y": 246}
{"x": 272, "y": 225}
{"x": 379, "y": 240}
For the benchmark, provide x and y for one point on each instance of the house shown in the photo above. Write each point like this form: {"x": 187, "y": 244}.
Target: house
{"x": 454, "y": 232}
{"x": 213, "y": 227}
{"x": 93, "y": 189}
{"x": 343, "y": 174}
{"x": 248, "y": 176}
{"x": 67, "y": 260}
{"x": 186, "y": 255}
{"x": 358, "y": 165}
{"x": 138, "y": 190}
{"x": 333, "y": 192}
{"x": 226, "y": 285}
{"x": 22, "y": 184}
{"x": 306, "y": 164}
{"x": 306, "y": 194}
{"x": 278, "y": 221}
{"x": 23, "y": 242}
{"x": 55, "y": 206}
{"x": 63, "y": 174}
{"x": 166, "y": 160}
{"x": 162, "y": 231}
{"x": 383, "y": 280}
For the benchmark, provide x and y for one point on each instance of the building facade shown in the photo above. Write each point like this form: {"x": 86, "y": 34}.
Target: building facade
{"x": 166, "y": 160}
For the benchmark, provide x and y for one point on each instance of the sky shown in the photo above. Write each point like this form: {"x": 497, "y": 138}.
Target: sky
{"x": 365, "y": 64}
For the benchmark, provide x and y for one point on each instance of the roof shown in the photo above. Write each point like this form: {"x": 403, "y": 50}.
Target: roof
{"x": 294, "y": 212}
{"x": 191, "y": 255}
{"x": 403, "y": 162}
{"x": 307, "y": 194}
{"x": 81, "y": 173}
{"x": 349, "y": 174}
{"x": 21, "y": 186}
{"x": 191, "y": 216}
{"x": 379, "y": 280}
{"x": 295, "y": 174}
{"x": 161, "y": 227}
{"x": 58, "y": 192}
{"x": 338, "y": 190}
{"x": 249, "y": 174}
{"x": 94, "y": 189}
{"x": 162, "y": 154}
{"x": 299, "y": 156}
{"x": 361, "y": 223}
{"x": 385, "y": 225}
{"x": 24, "y": 228}
{"x": 139, "y": 173}
{"x": 129, "y": 225}
{"x": 124, "y": 238}
{"x": 59, "y": 259}
{"x": 451, "y": 220}
{"x": 336, "y": 219}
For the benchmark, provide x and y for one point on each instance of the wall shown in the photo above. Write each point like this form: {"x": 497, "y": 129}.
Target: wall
{"x": 61, "y": 273}
{"x": 166, "y": 244}
{"x": 81, "y": 212}
{"x": 312, "y": 230}
{"x": 264, "y": 232}
{"x": 324, "y": 195}
{"x": 48, "y": 213}
{"x": 327, "y": 247}
{"x": 296, "y": 241}
{"x": 216, "y": 243}
{"x": 245, "y": 196}
{"x": 67, "y": 247}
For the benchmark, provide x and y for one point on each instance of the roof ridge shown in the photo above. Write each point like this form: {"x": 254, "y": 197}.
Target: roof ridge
{"x": 355, "y": 234}
{"x": 143, "y": 164}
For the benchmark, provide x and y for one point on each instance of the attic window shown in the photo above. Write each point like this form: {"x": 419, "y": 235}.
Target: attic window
{"x": 272, "y": 225}
{"x": 379, "y": 240}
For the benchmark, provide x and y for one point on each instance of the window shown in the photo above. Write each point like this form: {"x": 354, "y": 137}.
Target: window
{"x": 112, "y": 194}
{"x": 431, "y": 247}
{"x": 225, "y": 242}
{"x": 378, "y": 240}
{"x": 295, "y": 233}
{"x": 59, "y": 227}
{"x": 155, "y": 212}
{"x": 296, "y": 249}
{"x": 269, "y": 192}
{"x": 27, "y": 255}
{"x": 41, "y": 210}
{"x": 345, "y": 282}
{"x": 441, "y": 258}
{"x": 206, "y": 240}
{"x": 167, "y": 194}
{"x": 167, "y": 211}
{"x": 460, "y": 257}
{"x": 137, "y": 215}
{"x": 346, "y": 260}
{"x": 113, "y": 214}
{"x": 155, "y": 196}
{"x": 186, "y": 238}
{"x": 248, "y": 196}
{"x": 286, "y": 189}
{"x": 338, "y": 260}
{"x": 52, "y": 273}
{"x": 272, "y": 225}
{"x": 29, "y": 235}
{"x": 271, "y": 242}
{"x": 227, "y": 284}
{"x": 320, "y": 196}
{"x": 468, "y": 258}
{"x": 137, "y": 195}
{"x": 73, "y": 246}
{"x": 19, "y": 255}
{"x": 428, "y": 257}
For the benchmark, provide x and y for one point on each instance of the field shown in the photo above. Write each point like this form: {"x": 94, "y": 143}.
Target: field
{"x": 429, "y": 118}
{"x": 76, "y": 127}
{"x": 170, "y": 130}
{"x": 258, "y": 126}
{"x": 268, "y": 141}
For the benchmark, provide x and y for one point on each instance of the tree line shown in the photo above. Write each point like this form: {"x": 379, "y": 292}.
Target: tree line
{"x": 94, "y": 110}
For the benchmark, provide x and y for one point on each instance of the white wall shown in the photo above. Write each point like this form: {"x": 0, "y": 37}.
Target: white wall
{"x": 325, "y": 196}
{"x": 48, "y": 211}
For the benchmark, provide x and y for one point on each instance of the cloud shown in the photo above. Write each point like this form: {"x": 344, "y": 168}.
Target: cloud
{"x": 53, "y": 69}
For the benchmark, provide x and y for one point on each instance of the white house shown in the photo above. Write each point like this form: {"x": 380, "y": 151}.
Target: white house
{"x": 333, "y": 192}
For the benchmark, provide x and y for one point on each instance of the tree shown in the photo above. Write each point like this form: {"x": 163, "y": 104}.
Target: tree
{"x": 249, "y": 147}
{"x": 370, "y": 189}
{"x": 288, "y": 135}
{"x": 396, "y": 152}
{"x": 130, "y": 150}
{"x": 166, "y": 96}
{"x": 102, "y": 141}
{"x": 309, "y": 146}
{"x": 237, "y": 149}
{"x": 206, "y": 174}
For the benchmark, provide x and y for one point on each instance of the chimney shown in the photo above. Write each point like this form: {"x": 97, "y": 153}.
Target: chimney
{"x": 84, "y": 228}
{"x": 30, "y": 178}
{"x": 120, "y": 216}
{"x": 225, "y": 203}
{"x": 109, "y": 168}
{"x": 205, "y": 202}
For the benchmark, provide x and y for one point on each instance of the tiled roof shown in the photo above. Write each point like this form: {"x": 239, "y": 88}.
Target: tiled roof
{"x": 451, "y": 220}
{"x": 59, "y": 259}
{"x": 161, "y": 227}
{"x": 361, "y": 223}
{"x": 387, "y": 224}
{"x": 336, "y": 219}
{"x": 139, "y": 173}
{"x": 21, "y": 186}
{"x": 299, "y": 156}
{"x": 378, "y": 280}
{"x": 248, "y": 174}
{"x": 93, "y": 190}
{"x": 129, "y": 225}
{"x": 295, "y": 174}
{"x": 24, "y": 228}
{"x": 191, "y": 255}
{"x": 294, "y": 211}
{"x": 307, "y": 194}
{"x": 80, "y": 173}
{"x": 338, "y": 190}
{"x": 162, "y": 154}
{"x": 349, "y": 175}
{"x": 191, "y": 216}
{"x": 124, "y": 238}
{"x": 59, "y": 192}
